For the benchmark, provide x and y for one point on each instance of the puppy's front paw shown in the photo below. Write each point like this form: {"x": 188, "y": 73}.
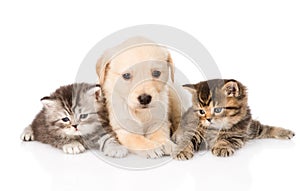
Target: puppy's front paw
{"x": 73, "y": 148}
{"x": 27, "y": 134}
{"x": 115, "y": 150}
{"x": 222, "y": 151}
{"x": 154, "y": 153}
{"x": 169, "y": 147}
{"x": 177, "y": 136}
{"x": 151, "y": 153}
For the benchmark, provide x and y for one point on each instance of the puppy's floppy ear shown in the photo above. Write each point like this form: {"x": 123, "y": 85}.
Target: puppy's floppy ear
{"x": 101, "y": 69}
{"x": 171, "y": 64}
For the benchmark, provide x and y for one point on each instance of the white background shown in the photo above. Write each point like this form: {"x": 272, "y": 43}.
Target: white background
{"x": 43, "y": 43}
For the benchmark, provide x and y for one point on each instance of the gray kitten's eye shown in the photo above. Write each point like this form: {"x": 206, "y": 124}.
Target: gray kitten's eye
{"x": 202, "y": 112}
{"x": 83, "y": 116}
{"x": 156, "y": 73}
{"x": 218, "y": 109}
{"x": 65, "y": 119}
{"x": 126, "y": 76}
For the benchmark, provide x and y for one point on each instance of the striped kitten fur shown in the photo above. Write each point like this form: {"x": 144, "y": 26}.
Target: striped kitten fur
{"x": 74, "y": 118}
{"x": 220, "y": 119}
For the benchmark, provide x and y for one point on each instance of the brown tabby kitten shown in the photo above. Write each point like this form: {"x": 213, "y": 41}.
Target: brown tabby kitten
{"x": 221, "y": 119}
{"x": 74, "y": 118}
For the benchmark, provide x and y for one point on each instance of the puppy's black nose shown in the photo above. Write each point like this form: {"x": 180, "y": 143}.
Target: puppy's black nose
{"x": 144, "y": 99}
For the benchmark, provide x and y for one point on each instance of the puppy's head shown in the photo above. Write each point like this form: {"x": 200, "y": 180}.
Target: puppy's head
{"x": 137, "y": 70}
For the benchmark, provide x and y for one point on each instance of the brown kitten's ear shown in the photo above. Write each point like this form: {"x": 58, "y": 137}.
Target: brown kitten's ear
{"x": 47, "y": 102}
{"x": 190, "y": 87}
{"x": 231, "y": 89}
{"x": 95, "y": 91}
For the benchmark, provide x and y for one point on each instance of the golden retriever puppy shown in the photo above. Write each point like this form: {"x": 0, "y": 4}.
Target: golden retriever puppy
{"x": 144, "y": 109}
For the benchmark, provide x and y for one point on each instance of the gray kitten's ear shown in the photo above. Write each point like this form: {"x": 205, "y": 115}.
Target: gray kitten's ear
{"x": 95, "y": 91}
{"x": 231, "y": 89}
{"x": 47, "y": 102}
{"x": 190, "y": 87}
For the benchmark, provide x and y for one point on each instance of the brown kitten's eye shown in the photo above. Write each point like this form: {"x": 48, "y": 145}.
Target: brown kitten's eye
{"x": 65, "y": 119}
{"x": 218, "y": 109}
{"x": 202, "y": 112}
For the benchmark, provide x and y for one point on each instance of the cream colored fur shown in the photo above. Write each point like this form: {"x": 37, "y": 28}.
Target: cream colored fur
{"x": 145, "y": 131}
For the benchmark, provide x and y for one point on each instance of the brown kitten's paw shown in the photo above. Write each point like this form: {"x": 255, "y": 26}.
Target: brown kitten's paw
{"x": 284, "y": 134}
{"x": 73, "y": 148}
{"x": 222, "y": 151}
{"x": 184, "y": 151}
{"x": 183, "y": 155}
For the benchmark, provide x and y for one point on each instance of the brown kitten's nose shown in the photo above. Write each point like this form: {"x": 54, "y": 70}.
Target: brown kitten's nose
{"x": 144, "y": 99}
{"x": 209, "y": 119}
{"x": 75, "y": 126}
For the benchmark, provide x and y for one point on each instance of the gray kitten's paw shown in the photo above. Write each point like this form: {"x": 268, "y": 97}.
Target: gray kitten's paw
{"x": 115, "y": 150}
{"x": 27, "y": 134}
{"x": 222, "y": 151}
{"x": 73, "y": 148}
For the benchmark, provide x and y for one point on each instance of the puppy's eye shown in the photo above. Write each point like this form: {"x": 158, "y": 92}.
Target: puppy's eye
{"x": 156, "y": 73}
{"x": 218, "y": 109}
{"x": 126, "y": 76}
{"x": 202, "y": 112}
{"x": 65, "y": 119}
{"x": 83, "y": 116}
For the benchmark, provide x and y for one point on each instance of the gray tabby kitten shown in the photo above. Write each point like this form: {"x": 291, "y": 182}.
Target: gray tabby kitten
{"x": 74, "y": 118}
{"x": 220, "y": 118}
